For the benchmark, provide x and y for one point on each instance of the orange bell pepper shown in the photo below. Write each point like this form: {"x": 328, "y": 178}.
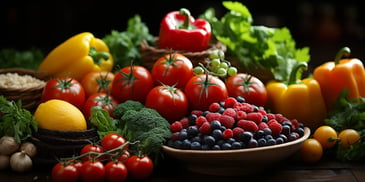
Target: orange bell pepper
{"x": 334, "y": 76}
{"x": 298, "y": 99}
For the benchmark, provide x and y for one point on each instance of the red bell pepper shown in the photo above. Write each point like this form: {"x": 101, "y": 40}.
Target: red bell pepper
{"x": 180, "y": 31}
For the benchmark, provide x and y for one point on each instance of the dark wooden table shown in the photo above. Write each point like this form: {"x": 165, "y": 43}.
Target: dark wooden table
{"x": 327, "y": 170}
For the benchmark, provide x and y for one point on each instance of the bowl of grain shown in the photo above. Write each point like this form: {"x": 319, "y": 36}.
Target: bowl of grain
{"x": 23, "y": 84}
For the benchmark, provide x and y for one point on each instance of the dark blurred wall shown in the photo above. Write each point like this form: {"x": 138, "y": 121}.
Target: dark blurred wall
{"x": 324, "y": 26}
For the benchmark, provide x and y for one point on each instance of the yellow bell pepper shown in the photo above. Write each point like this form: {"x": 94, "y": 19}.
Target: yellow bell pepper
{"x": 298, "y": 99}
{"x": 78, "y": 56}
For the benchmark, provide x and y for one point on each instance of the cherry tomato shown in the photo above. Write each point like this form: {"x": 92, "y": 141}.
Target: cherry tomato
{"x": 132, "y": 83}
{"x": 92, "y": 171}
{"x": 348, "y": 137}
{"x": 112, "y": 141}
{"x": 139, "y": 167}
{"x": 311, "y": 150}
{"x": 64, "y": 172}
{"x": 247, "y": 86}
{"x": 97, "y": 81}
{"x": 65, "y": 88}
{"x": 124, "y": 156}
{"x": 91, "y": 148}
{"x": 170, "y": 102}
{"x": 172, "y": 69}
{"x": 326, "y": 135}
{"x": 105, "y": 101}
{"x": 115, "y": 172}
{"x": 202, "y": 90}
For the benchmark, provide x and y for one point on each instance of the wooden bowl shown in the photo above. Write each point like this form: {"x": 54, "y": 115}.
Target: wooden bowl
{"x": 238, "y": 162}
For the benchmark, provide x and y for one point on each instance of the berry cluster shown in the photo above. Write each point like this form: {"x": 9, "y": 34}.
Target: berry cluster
{"x": 233, "y": 124}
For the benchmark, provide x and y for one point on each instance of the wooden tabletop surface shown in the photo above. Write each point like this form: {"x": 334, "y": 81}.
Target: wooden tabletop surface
{"x": 326, "y": 170}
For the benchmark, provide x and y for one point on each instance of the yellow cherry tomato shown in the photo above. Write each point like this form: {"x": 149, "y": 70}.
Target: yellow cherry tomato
{"x": 326, "y": 136}
{"x": 348, "y": 137}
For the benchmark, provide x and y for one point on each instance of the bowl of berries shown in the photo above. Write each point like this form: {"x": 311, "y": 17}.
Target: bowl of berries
{"x": 233, "y": 138}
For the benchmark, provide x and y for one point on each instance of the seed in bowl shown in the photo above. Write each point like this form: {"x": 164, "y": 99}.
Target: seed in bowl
{"x": 236, "y": 125}
{"x": 16, "y": 81}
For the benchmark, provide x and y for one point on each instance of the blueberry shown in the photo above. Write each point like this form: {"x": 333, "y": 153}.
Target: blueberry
{"x": 268, "y": 137}
{"x": 205, "y": 113}
{"x": 217, "y": 134}
{"x": 267, "y": 131}
{"x": 209, "y": 140}
{"x": 226, "y": 146}
{"x": 236, "y": 145}
{"x": 240, "y": 99}
{"x": 196, "y": 146}
{"x": 284, "y": 137}
{"x": 279, "y": 140}
{"x": 177, "y": 144}
{"x": 183, "y": 135}
{"x": 192, "y": 131}
{"x": 223, "y": 128}
{"x": 216, "y": 147}
{"x": 220, "y": 142}
{"x": 192, "y": 119}
{"x": 215, "y": 124}
{"x": 286, "y": 130}
{"x": 205, "y": 147}
{"x": 259, "y": 134}
{"x": 300, "y": 131}
{"x": 245, "y": 136}
{"x": 261, "y": 142}
{"x": 196, "y": 139}
{"x": 252, "y": 143}
{"x": 230, "y": 140}
{"x": 264, "y": 119}
{"x": 186, "y": 144}
{"x": 221, "y": 110}
{"x": 271, "y": 141}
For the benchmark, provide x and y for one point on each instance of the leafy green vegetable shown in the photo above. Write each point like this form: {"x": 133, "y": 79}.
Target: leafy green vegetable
{"x": 12, "y": 58}
{"x": 16, "y": 121}
{"x": 105, "y": 124}
{"x": 124, "y": 46}
{"x": 268, "y": 53}
{"x": 346, "y": 114}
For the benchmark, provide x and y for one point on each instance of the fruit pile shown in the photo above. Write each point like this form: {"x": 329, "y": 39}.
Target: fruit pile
{"x": 232, "y": 124}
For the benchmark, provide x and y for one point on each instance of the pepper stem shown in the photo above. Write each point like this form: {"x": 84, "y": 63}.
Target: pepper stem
{"x": 293, "y": 73}
{"x": 345, "y": 51}
{"x": 185, "y": 12}
{"x": 97, "y": 56}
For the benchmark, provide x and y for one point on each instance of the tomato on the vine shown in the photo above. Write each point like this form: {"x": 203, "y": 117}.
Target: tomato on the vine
{"x": 97, "y": 81}
{"x": 204, "y": 89}
{"x": 139, "y": 167}
{"x": 91, "y": 148}
{"x": 92, "y": 171}
{"x": 115, "y": 171}
{"x": 172, "y": 69}
{"x": 64, "y": 172}
{"x": 65, "y": 88}
{"x": 132, "y": 83}
{"x": 112, "y": 141}
{"x": 249, "y": 87}
{"x": 169, "y": 101}
{"x": 105, "y": 101}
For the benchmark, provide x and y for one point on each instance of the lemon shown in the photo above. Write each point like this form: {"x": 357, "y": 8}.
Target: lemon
{"x": 56, "y": 114}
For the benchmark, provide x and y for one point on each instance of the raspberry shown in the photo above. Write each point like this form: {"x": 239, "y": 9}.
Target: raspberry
{"x": 243, "y": 107}
{"x": 248, "y": 125}
{"x": 262, "y": 111}
{"x": 200, "y": 120}
{"x": 197, "y": 112}
{"x": 255, "y": 117}
{"x": 262, "y": 126}
{"x": 228, "y": 133}
{"x": 237, "y": 131}
{"x": 229, "y": 102}
{"x": 213, "y": 116}
{"x": 205, "y": 128}
{"x": 295, "y": 124}
{"x": 176, "y": 126}
{"x": 241, "y": 115}
{"x": 227, "y": 121}
{"x": 271, "y": 120}
{"x": 174, "y": 136}
{"x": 185, "y": 122}
{"x": 270, "y": 116}
{"x": 275, "y": 127}
{"x": 280, "y": 118}
{"x": 214, "y": 107}
{"x": 230, "y": 112}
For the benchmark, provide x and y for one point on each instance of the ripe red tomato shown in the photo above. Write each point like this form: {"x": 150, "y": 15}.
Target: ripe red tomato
{"x": 132, "y": 83}
{"x": 105, "y": 101}
{"x": 170, "y": 102}
{"x": 115, "y": 172}
{"x": 202, "y": 90}
{"x": 61, "y": 172}
{"x": 92, "y": 171}
{"x": 91, "y": 148}
{"x": 96, "y": 82}
{"x": 139, "y": 167}
{"x": 112, "y": 141}
{"x": 65, "y": 88}
{"x": 172, "y": 69}
{"x": 124, "y": 156}
{"x": 249, "y": 87}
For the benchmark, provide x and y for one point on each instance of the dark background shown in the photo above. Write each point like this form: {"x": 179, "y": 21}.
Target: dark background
{"x": 323, "y": 26}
